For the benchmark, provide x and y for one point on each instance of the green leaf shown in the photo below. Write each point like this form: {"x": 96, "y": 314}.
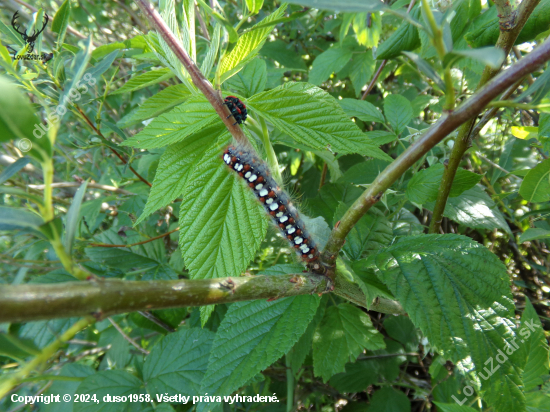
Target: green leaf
{"x": 279, "y": 51}
{"x": 251, "y": 80}
{"x": 157, "y": 104}
{"x": 424, "y": 185}
{"x": 489, "y": 56}
{"x": 12, "y": 218}
{"x": 330, "y": 195}
{"x": 361, "y": 109}
{"x": 254, "y": 6}
{"x": 364, "y": 173}
{"x": 485, "y": 28}
{"x": 102, "y": 66}
{"x": 405, "y": 38}
{"x": 328, "y": 62}
{"x": 402, "y": 330}
{"x": 137, "y": 42}
{"x": 248, "y": 46}
{"x": 371, "y": 232}
{"x": 174, "y": 126}
{"x": 14, "y": 348}
{"x": 43, "y": 333}
{"x": 367, "y": 280}
{"x": 475, "y": 209}
{"x": 232, "y": 33}
{"x": 398, "y": 111}
{"x": 145, "y": 80}
{"x": 18, "y": 121}
{"x": 251, "y": 337}
{"x": 536, "y": 185}
{"x": 348, "y": 6}
{"x": 312, "y": 117}
{"x": 73, "y": 217}
{"x": 343, "y": 334}
{"x": 77, "y": 69}
{"x": 176, "y": 163}
{"x": 454, "y": 407}
{"x": 470, "y": 318}
{"x": 427, "y": 69}
{"x": 388, "y": 399}
{"x": 61, "y": 22}
{"x": 222, "y": 223}
{"x": 302, "y": 348}
{"x": 13, "y": 169}
{"x": 120, "y": 258}
{"x": 525, "y": 132}
{"x": 536, "y": 347}
{"x": 361, "y": 70}
{"x": 113, "y": 383}
{"x": 532, "y": 234}
{"x": 178, "y": 362}
{"x": 356, "y": 378}
{"x": 210, "y": 57}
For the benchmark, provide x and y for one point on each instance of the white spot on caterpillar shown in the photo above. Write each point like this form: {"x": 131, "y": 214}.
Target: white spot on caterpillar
{"x": 279, "y": 214}
{"x": 227, "y": 158}
{"x": 239, "y": 167}
{"x": 273, "y": 206}
{"x": 283, "y": 219}
{"x": 259, "y": 186}
{"x": 264, "y": 192}
{"x": 304, "y": 251}
{"x": 252, "y": 178}
{"x": 247, "y": 174}
{"x": 291, "y": 230}
{"x": 269, "y": 201}
{"x": 298, "y": 239}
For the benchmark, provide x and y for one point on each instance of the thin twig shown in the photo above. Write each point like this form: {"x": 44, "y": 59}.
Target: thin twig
{"x": 90, "y": 185}
{"x": 156, "y": 321}
{"x": 382, "y": 65}
{"x": 96, "y": 130}
{"x": 135, "y": 244}
{"x": 202, "y": 24}
{"x": 126, "y": 337}
{"x": 323, "y": 176}
{"x": 374, "y": 79}
{"x": 492, "y": 163}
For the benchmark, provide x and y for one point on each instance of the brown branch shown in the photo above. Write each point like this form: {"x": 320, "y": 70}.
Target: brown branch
{"x": 96, "y": 130}
{"x": 437, "y": 132}
{"x": 135, "y": 244}
{"x": 505, "y": 42}
{"x": 197, "y": 77}
{"x": 107, "y": 297}
{"x": 374, "y": 79}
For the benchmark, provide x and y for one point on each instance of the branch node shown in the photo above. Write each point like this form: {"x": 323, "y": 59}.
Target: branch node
{"x": 228, "y": 285}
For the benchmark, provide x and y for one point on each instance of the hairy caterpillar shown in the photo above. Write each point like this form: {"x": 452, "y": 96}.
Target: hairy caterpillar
{"x": 276, "y": 202}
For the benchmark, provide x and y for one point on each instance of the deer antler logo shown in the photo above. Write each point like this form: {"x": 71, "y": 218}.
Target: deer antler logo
{"x": 30, "y": 40}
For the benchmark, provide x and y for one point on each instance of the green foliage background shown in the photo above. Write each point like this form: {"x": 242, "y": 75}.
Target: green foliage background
{"x": 144, "y": 146}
